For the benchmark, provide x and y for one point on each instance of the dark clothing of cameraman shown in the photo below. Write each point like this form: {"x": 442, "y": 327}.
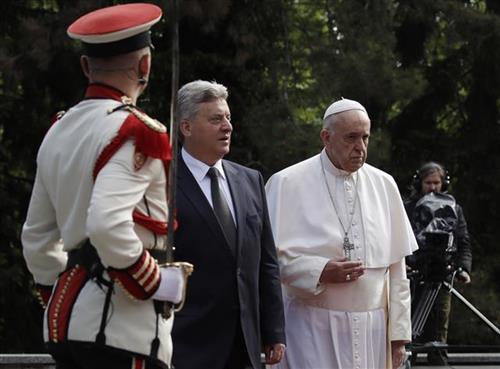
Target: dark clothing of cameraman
{"x": 463, "y": 255}
{"x": 436, "y": 327}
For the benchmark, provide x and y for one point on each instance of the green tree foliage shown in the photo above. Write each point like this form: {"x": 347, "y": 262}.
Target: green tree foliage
{"x": 428, "y": 72}
{"x": 455, "y": 120}
{"x": 32, "y": 87}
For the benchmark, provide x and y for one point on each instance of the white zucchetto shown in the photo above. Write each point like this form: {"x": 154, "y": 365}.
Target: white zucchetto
{"x": 342, "y": 105}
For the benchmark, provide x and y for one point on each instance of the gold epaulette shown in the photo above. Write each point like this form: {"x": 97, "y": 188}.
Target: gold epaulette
{"x": 154, "y": 124}
{"x": 147, "y": 120}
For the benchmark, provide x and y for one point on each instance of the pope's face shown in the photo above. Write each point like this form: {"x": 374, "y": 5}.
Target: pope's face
{"x": 207, "y": 136}
{"x": 432, "y": 183}
{"x": 346, "y": 140}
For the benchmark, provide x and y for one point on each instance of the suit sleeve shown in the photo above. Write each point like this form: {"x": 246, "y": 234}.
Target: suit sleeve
{"x": 271, "y": 307}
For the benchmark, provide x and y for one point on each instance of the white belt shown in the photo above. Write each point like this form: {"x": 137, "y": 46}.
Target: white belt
{"x": 367, "y": 293}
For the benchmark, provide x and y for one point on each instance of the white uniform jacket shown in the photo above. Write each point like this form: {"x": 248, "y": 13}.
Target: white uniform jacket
{"x": 99, "y": 173}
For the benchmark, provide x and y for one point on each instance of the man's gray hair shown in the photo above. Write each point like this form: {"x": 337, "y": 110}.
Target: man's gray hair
{"x": 329, "y": 121}
{"x": 192, "y": 94}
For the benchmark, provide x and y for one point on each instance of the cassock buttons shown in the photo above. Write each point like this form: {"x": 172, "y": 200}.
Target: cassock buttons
{"x": 115, "y": 30}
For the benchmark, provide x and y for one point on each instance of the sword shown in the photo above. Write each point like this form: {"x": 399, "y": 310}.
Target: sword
{"x": 168, "y": 257}
{"x": 174, "y": 129}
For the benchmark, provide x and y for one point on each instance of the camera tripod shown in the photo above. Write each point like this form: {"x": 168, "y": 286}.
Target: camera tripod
{"x": 424, "y": 307}
{"x": 425, "y": 304}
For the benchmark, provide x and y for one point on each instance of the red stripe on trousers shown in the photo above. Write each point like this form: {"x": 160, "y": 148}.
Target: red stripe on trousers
{"x": 138, "y": 363}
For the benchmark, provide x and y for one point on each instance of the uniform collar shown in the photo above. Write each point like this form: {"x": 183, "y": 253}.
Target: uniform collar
{"x": 103, "y": 91}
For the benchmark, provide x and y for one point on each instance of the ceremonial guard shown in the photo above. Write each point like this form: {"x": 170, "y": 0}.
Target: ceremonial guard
{"x": 98, "y": 210}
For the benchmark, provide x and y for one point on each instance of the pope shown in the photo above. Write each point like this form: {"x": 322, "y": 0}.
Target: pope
{"x": 342, "y": 235}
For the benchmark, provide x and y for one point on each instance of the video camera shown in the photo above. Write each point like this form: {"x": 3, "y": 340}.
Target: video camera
{"x": 434, "y": 220}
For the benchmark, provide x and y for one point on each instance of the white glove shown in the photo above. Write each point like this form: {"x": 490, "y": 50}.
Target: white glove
{"x": 171, "y": 285}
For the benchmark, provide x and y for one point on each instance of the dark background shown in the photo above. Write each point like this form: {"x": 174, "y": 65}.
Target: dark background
{"x": 428, "y": 71}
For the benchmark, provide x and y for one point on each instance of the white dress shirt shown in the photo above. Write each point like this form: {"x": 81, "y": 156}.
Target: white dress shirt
{"x": 199, "y": 171}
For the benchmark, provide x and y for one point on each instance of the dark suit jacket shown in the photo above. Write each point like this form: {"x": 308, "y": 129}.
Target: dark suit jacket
{"x": 226, "y": 288}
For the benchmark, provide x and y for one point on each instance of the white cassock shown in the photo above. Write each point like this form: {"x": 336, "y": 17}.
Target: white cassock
{"x": 341, "y": 325}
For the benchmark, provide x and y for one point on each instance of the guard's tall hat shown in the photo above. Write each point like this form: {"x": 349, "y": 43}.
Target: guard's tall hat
{"x": 115, "y": 30}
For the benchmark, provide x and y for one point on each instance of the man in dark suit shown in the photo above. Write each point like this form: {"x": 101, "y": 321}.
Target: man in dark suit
{"x": 233, "y": 306}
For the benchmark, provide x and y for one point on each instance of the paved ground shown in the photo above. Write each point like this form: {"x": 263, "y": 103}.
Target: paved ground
{"x": 462, "y": 361}
{"x": 457, "y": 360}
{"x": 457, "y": 367}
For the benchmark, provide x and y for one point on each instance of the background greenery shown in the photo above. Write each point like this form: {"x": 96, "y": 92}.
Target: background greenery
{"x": 428, "y": 72}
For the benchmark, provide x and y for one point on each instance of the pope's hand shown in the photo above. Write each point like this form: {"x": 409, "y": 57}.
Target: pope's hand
{"x": 398, "y": 353}
{"x": 171, "y": 284}
{"x": 341, "y": 271}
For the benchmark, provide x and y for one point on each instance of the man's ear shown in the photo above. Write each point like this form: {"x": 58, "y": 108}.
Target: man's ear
{"x": 324, "y": 135}
{"x": 185, "y": 128}
{"x": 144, "y": 66}
{"x": 85, "y": 65}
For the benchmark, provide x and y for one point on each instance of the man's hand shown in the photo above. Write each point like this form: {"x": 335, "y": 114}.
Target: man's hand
{"x": 274, "y": 353}
{"x": 340, "y": 271}
{"x": 463, "y": 277}
{"x": 398, "y": 353}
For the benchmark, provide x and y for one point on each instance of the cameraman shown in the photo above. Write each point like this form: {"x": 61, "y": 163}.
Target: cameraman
{"x": 432, "y": 177}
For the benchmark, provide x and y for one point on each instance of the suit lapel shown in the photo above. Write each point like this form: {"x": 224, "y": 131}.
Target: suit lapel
{"x": 239, "y": 198}
{"x": 191, "y": 190}
{"x": 189, "y": 187}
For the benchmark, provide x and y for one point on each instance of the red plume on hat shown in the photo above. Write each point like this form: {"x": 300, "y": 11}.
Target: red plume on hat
{"x": 115, "y": 30}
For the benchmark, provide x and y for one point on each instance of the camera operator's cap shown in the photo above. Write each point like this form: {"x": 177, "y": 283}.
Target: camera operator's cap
{"x": 115, "y": 30}
{"x": 342, "y": 105}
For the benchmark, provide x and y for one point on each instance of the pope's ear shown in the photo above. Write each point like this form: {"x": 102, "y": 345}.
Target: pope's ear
{"x": 324, "y": 135}
{"x": 185, "y": 128}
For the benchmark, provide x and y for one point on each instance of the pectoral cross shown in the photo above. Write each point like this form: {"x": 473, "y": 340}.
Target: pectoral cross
{"x": 348, "y": 247}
